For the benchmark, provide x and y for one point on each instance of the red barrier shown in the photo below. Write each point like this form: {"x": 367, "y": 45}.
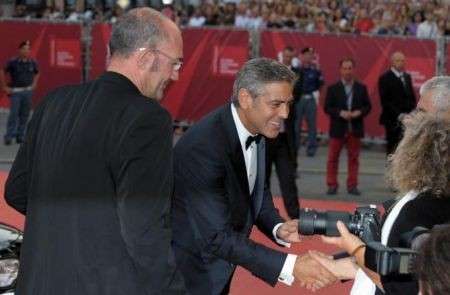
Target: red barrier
{"x": 55, "y": 46}
{"x": 371, "y": 55}
{"x": 211, "y": 60}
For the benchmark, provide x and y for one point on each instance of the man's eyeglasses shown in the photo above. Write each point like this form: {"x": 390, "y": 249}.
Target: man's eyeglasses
{"x": 176, "y": 62}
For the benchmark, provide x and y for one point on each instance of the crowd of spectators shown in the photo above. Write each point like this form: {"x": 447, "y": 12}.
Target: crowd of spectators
{"x": 70, "y": 13}
{"x": 424, "y": 19}
{"x": 421, "y": 18}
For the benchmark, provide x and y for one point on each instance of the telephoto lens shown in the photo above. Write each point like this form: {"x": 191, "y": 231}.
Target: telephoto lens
{"x": 312, "y": 222}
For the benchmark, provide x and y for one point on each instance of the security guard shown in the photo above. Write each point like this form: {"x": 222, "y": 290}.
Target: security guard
{"x": 306, "y": 99}
{"x": 24, "y": 74}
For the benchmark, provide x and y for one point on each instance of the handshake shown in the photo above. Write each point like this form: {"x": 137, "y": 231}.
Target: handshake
{"x": 315, "y": 270}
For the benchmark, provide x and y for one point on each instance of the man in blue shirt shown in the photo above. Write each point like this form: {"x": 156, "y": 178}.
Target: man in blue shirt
{"x": 24, "y": 74}
{"x": 306, "y": 99}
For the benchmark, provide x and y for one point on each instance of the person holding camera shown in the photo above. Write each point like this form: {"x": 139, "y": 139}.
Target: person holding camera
{"x": 420, "y": 170}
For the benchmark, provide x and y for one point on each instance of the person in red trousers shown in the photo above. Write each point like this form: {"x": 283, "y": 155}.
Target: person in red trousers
{"x": 347, "y": 103}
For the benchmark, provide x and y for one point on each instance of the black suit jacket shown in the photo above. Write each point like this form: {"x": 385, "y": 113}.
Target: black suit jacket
{"x": 94, "y": 179}
{"x": 336, "y": 101}
{"x": 395, "y": 98}
{"x": 213, "y": 211}
{"x": 425, "y": 210}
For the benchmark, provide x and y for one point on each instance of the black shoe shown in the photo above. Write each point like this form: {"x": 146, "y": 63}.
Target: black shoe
{"x": 19, "y": 140}
{"x": 332, "y": 190}
{"x": 354, "y": 191}
{"x": 7, "y": 141}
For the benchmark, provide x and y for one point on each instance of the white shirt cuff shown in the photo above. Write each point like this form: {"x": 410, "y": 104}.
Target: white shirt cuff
{"x": 287, "y": 272}
{"x": 279, "y": 241}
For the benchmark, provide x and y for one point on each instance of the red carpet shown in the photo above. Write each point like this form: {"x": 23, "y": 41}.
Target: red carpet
{"x": 243, "y": 283}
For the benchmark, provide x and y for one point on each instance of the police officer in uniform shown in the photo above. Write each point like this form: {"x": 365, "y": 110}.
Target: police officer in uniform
{"x": 306, "y": 99}
{"x": 23, "y": 72}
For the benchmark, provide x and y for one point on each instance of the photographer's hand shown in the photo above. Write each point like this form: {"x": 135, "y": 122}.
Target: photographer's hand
{"x": 355, "y": 247}
{"x": 346, "y": 241}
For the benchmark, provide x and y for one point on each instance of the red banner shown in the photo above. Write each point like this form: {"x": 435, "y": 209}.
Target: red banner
{"x": 55, "y": 47}
{"x": 211, "y": 60}
{"x": 372, "y": 57}
{"x": 99, "y": 49}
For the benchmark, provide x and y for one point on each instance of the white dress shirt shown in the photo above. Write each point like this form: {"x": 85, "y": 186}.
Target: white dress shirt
{"x": 363, "y": 285}
{"x": 427, "y": 29}
{"x": 250, "y": 158}
{"x": 400, "y": 75}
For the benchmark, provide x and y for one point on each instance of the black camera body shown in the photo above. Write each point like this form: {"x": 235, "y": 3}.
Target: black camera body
{"x": 388, "y": 261}
{"x": 364, "y": 223}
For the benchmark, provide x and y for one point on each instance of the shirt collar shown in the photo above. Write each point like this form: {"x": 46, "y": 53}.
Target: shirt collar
{"x": 345, "y": 83}
{"x": 243, "y": 133}
{"x": 397, "y": 73}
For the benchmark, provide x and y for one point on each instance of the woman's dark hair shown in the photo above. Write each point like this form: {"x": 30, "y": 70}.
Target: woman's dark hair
{"x": 432, "y": 265}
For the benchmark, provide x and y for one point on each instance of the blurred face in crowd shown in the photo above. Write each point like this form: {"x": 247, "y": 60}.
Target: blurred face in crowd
{"x": 165, "y": 65}
{"x": 265, "y": 113}
{"x": 417, "y": 17}
{"x": 398, "y": 61}
{"x": 24, "y": 51}
{"x": 347, "y": 70}
{"x": 307, "y": 58}
{"x": 288, "y": 55}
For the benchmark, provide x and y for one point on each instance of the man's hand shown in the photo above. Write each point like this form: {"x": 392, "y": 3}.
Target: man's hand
{"x": 311, "y": 274}
{"x": 346, "y": 115}
{"x": 288, "y": 231}
{"x": 343, "y": 269}
{"x": 355, "y": 114}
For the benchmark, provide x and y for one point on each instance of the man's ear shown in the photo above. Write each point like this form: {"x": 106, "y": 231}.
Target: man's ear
{"x": 145, "y": 59}
{"x": 245, "y": 99}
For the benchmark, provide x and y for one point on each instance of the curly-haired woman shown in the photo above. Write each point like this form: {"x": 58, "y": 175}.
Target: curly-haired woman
{"x": 420, "y": 170}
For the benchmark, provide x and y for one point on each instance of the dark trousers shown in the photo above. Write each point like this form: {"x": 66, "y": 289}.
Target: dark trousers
{"x": 353, "y": 144}
{"x": 394, "y": 134}
{"x": 18, "y": 114}
{"x": 306, "y": 109}
{"x": 278, "y": 154}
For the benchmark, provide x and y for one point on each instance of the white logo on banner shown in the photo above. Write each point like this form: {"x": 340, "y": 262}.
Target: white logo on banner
{"x": 64, "y": 53}
{"x": 225, "y": 65}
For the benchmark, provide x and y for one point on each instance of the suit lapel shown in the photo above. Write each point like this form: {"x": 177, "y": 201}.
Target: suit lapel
{"x": 236, "y": 155}
{"x": 240, "y": 199}
{"x": 343, "y": 96}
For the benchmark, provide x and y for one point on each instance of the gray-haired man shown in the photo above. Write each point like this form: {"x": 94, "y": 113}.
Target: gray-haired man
{"x": 220, "y": 189}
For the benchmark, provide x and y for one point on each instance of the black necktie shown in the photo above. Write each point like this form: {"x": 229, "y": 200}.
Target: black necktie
{"x": 251, "y": 139}
{"x": 402, "y": 78}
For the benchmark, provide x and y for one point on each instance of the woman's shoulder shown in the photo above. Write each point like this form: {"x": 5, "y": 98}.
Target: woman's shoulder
{"x": 428, "y": 206}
